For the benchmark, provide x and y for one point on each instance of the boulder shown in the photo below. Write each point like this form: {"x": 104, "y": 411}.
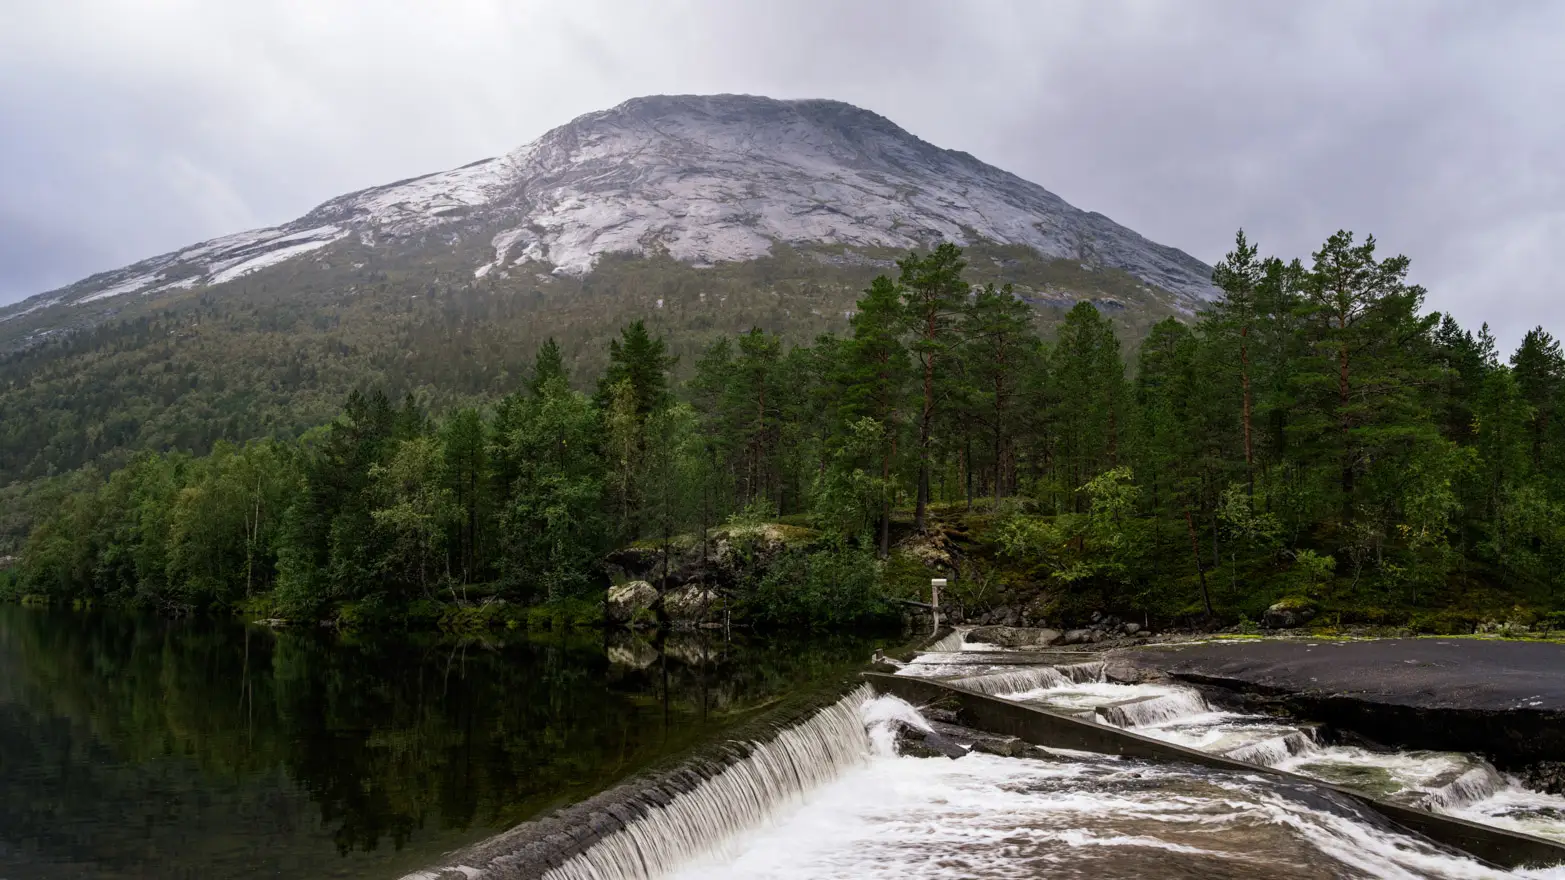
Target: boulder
{"x": 1013, "y": 636}
{"x": 1287, "y": 614}
{"x": 691, "y": 604}
{"x": 1004, "y": 746}
{"x": 1546, "y": 776}
{"x": 631, "y": 600}
{"x": 1076, "y": 636}
{"x": 927, "y": 744}
{"x": 1132, "y": 628}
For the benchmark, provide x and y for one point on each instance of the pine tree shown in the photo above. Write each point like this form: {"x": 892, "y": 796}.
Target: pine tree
{"x": 997, "y": 353}
{"x": 1239, "y": 275}
{"x": 874, "y": 376}
{"x": 643, "y": 361}
{"x": 934, "y": 296}
{"x": 1368, "y": 340}
{"x": 1540, "y": 376}
{"x": 466, "y": 463}
{"x": 548, "y": 365}
{"x": 1088, "y": 388}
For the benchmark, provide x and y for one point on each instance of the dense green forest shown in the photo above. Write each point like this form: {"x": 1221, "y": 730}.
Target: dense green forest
{"x": 1314, "y": 434}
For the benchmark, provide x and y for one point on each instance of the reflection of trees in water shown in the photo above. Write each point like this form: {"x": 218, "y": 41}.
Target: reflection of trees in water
{"x": 389, "y": 739}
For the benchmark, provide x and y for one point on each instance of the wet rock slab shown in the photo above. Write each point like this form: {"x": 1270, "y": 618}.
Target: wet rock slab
{"x": 1503, "y": 699}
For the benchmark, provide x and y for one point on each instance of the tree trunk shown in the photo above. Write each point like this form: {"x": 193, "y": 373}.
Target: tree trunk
{"x": 1244, "y": 379}
{"x": 1342, "y": 414}
{"x": 1195, "y": 550}
{"x": 967, "y": 465}
{"x": 925, "y": 428}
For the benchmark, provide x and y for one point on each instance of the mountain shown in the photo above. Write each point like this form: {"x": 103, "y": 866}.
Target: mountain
{"x": 705, "y": 180}
{"x": 700, "y": 215}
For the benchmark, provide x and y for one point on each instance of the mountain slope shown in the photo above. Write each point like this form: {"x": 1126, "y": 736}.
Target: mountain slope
{"x": 702, "y": 179}
{"x": 701, "y": 216}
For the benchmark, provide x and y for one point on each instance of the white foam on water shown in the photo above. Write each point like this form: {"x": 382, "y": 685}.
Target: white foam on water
{"x": 1473, "y": 785}
{"x": 1518, "y": 809}
{"x": 1015, "y": 680}
{"x": 1156, "y": 709}
{"x": 1445, "y": 782}
{"x": 750, "y": 793}
{"x": 883, "y": 717}
{"x": 1272, "y": 750}
{"x": 989, "y": 817}
{"x": 953, "y": 641}
{"x": 1085, "y": 694}
{"x": 1083, "y": 672}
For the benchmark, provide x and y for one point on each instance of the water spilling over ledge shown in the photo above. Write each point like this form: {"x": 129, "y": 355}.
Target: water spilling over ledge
{"x": 826, "y": 794}
{"x": 650, "y": 825}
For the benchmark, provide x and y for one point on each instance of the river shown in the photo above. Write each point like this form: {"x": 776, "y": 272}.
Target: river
{"x": 134, "y": 746}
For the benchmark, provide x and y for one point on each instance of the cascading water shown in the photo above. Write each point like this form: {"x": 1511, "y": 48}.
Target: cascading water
{"x": 774, "y": 776}
{"x": 1025, "y": 678}
{"x": 1082, "y": 672}
{"x": 953, "y": 641}
{"x": 831, "y": 797}
{"x": 1147, "y": 711}
{"x": 986, "y": 817}
{"x": 1440, "y": 781}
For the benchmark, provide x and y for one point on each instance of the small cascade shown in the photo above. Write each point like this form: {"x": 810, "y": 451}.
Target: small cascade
{"x": 948, "y": 644}
{"x": 1026, "y": 678}
{"x": 1464, "y": 787}
{"x": 746, "y": 794}
{"x": 1273, "y": 750}
{"x": 1153, "y": 710}
{"x": 1083, "y": 673}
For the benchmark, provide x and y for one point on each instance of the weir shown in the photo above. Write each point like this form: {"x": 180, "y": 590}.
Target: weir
{"x": 1062, "y": 730}
{"x": 707, "y": 811}
{"x": 649, "y": 825}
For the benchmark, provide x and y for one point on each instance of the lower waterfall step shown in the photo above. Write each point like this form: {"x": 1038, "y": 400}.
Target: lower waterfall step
{"x": 1054, "y": 729}
{"x": 1152, "y": 709}
{"x": 1271, "y": 750}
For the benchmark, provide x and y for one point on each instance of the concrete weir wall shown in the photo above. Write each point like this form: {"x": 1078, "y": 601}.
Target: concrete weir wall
{"x": 1041, "y": 727}
{"x": 541, "y": 848}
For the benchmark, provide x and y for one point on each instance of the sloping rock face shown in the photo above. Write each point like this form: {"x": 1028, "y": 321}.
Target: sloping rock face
{"x": 1501, "y": 699}
{"x": 702, "y": 179}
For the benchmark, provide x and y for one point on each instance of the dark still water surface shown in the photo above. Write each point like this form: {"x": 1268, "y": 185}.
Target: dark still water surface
{"x": 133, "y": 746}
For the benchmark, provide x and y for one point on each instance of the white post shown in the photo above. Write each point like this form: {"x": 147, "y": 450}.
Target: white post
{"x": 934, "y": 600}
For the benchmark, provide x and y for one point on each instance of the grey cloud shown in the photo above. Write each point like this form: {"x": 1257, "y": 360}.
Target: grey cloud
{"x": 137, "y": 128}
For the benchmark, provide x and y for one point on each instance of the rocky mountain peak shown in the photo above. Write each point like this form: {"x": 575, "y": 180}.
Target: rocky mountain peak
{"x": 702, "y": 178}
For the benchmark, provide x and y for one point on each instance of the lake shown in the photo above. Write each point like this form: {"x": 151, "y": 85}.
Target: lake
{"x": 135, "y": 746}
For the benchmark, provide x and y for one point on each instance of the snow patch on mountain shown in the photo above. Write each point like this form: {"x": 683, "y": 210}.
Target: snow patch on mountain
{"x": 293, "y": 245}
{"x": 132, "y": 285}
{"x": 702, "y": 179}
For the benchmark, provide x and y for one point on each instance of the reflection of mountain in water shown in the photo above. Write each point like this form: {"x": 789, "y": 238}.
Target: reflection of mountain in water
{"x": 133, "y": 743}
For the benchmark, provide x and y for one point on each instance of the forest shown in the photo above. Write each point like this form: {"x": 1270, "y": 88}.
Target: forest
{"x": 1313, "y": 436}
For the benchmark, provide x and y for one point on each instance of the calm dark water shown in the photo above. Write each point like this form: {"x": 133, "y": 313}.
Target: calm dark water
{"x": 133, "y": 746}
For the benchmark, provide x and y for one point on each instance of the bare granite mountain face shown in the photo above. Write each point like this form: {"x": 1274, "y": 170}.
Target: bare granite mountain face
{"x": 701, "y": 179}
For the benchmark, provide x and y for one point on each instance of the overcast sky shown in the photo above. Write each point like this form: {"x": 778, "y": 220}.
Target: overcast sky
{"x": 133, "y": 127}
